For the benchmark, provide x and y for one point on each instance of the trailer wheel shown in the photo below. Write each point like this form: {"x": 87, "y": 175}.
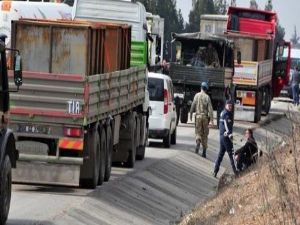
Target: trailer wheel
{"x": 131, "y": 144}
{"x": 93, "y": 163}
{"x": 102, "y": 160}
{"x": 184, "y": 114}
{"x": 109, "y": 149}
{"x": 5, "y": 189}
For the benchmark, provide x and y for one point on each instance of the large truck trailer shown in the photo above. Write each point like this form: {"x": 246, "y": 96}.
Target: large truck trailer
{"x": 82, "y": 105}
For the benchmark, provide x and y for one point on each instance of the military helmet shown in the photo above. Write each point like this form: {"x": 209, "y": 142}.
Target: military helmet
{"x": 204, "y": 85}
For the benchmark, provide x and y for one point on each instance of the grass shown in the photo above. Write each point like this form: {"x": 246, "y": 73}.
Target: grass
{"x": 268, "y": 193}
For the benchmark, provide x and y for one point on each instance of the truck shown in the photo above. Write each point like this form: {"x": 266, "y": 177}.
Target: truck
{"x": 8, "y": 151}
{"x": 82, "y": 106}
{"x": 260, "y": 70}
{"x": 155, "y": 29}
{"x": 187, "y": 77}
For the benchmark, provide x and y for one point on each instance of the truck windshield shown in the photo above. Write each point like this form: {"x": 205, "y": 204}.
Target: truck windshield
{"x": 156, "y": 89}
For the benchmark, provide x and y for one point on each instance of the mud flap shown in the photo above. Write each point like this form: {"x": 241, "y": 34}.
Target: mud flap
{"x": 46, "y": 173}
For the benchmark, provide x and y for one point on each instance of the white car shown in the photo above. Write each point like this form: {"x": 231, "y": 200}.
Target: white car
{"x": 162, "y": 120}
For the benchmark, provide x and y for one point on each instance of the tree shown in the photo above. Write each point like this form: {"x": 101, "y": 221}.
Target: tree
{"x": 221, "y": 6}
{"x": 173, "y": 19}
{"x": 295, "y": 39}
{"x": 201, "y": 7}
{"x": 280, "y": 32}
{"x": 269, "y": 6}
{"x": 253, "y": 4}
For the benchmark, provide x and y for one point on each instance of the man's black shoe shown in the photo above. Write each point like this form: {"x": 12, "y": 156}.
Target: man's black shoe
{"x": 204, "y": 154}
{"x": 215, "y": 174}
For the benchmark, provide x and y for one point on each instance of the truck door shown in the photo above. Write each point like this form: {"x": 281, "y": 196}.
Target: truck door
{"x": 281, "y": 67}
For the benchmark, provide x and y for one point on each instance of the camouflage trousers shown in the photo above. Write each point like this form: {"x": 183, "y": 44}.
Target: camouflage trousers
{"x": 201, "y": 129}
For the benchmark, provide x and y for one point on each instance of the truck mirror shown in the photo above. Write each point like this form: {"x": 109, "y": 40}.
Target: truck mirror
{"x": 18, "y": 70}
{"x": 239, "y": 57}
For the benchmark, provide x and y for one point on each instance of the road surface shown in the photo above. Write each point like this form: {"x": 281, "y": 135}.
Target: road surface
{"x": 159, "y": 190}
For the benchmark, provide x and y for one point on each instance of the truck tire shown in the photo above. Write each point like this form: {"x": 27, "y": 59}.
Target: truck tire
{"x": 267, "y": 99}
{"x": 94, "y": 161}
{"x": 131, "y": 144}
{"x": 258, "y": 108}
{"x": 109, "y": 150}
{"x": 102, "y": 160}
{"x": 167, "y": 140}
{"x": 140, "y": 154}
{"x": 5, "y": 189}
{"x": 184, "y": 114}
{"x": 173, "y": 137}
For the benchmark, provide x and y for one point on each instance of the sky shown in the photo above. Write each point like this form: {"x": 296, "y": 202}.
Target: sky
{"x": 288, "y": 12}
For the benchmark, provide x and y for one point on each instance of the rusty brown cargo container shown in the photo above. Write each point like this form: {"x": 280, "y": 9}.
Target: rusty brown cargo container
{"x": 73, "y": 47}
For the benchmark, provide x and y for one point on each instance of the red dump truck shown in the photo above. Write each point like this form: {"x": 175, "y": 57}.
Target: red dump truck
{"x": 81, "y": 107}
{"x": 261, "y": 71}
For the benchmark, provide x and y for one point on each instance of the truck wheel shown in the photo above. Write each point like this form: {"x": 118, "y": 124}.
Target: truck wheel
{"x": 267, "y": 101}
{"x": 140, "y": 154}
{"x": 184, "y": 114}
{"x": 258, "y": 108}
{"x": 167, "y": 140}
{"x": 131, "y": 145}
{"x": 173, "y": 137}
{"x": 5, "y": 189}
{"x": 102, "y": 159}
{"x": 109, "y": 142}
{"x": 94, "y": 161}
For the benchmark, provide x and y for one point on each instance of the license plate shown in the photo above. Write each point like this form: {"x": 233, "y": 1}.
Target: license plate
{"x": 37, "y": 129}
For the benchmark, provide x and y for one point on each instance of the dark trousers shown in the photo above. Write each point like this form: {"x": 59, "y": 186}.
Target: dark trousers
{"x": 225, "y": 146}
{"x": 295, "y": 89}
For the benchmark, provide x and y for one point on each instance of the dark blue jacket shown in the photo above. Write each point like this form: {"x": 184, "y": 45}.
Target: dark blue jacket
{"x": 226, "y": 122}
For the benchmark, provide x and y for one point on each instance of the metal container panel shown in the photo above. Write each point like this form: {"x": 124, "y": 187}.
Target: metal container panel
{"x": 191, "y": 75}
{"x": 44, "y": 98}
{"x": 115, "y": 93}
{"x": 69, "y": 50}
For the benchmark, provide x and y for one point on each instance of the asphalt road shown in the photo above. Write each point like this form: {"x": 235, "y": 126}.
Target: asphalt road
{"x": 160, "y": 189}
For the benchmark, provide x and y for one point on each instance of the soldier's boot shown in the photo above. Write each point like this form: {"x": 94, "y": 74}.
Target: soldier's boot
{"x": 204, "y": 153}
{"x": 197, "y": 146}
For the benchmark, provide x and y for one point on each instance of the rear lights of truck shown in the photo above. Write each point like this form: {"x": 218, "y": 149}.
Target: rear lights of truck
{"x": 72, "y": 132}
{"x": 166, "y": 100}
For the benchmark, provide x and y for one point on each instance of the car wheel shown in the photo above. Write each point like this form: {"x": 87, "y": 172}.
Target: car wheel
{"x": 167, "y": 140}
{"x": 173, "y": 137}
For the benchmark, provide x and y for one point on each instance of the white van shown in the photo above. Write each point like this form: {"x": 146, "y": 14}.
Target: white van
{"x": 162, "y": 121}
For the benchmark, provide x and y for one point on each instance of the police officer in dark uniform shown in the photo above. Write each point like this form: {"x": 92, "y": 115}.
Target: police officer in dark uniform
{"x": 226, "y": 138}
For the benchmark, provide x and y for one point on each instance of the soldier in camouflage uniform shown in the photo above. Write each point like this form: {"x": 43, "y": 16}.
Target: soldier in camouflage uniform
{"x": 204, "y": 115}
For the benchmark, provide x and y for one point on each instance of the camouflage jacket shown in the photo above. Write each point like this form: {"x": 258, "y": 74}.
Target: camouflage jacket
{"x": 202, "y": 105}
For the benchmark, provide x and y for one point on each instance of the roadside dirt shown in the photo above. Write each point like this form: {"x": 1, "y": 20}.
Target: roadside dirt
{"x": 268, "y": 193}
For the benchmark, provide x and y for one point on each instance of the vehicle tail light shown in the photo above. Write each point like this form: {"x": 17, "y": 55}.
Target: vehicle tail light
{"x": 250, "y": 94}
{"x": 72, "y": 132}
{"x": 166, "y": 108}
